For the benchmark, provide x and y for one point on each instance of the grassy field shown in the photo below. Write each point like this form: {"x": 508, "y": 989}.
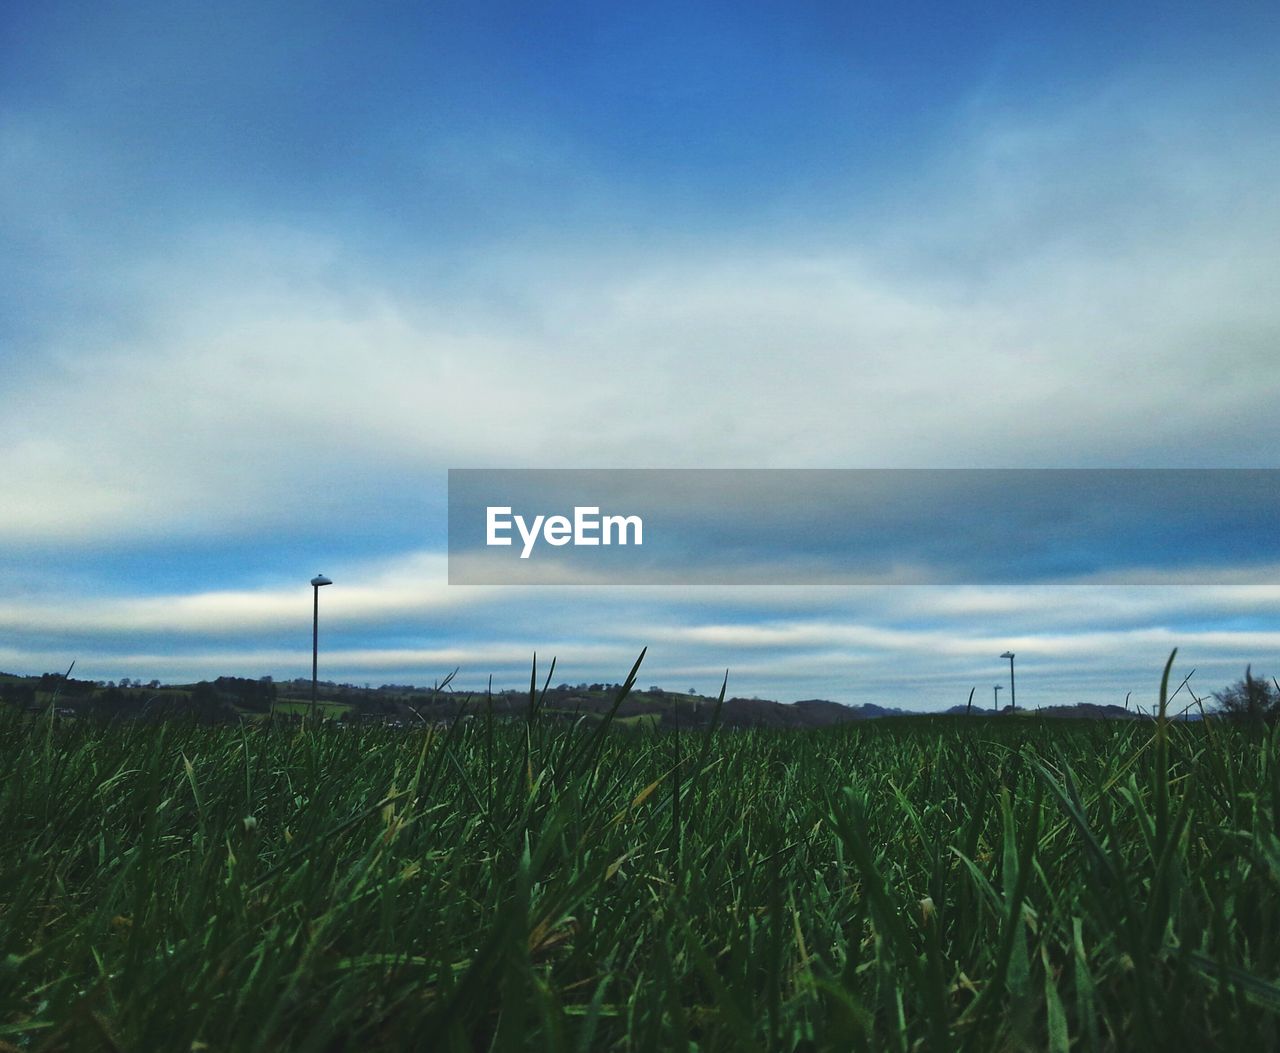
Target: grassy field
{"x": 301, "y": 707}
{"x": 942, "y": 883}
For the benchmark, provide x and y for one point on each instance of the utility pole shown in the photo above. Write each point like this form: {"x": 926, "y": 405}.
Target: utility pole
{"x": 1013, "y": 691}
{"x": 316, "y": 582}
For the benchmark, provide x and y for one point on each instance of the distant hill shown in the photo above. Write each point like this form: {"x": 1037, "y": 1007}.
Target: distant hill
{"x": 1079, "y": 711}
{"x": 1089, "y": 711}
{"x": 808, "y": 713}
{"x": 232, "y": 698}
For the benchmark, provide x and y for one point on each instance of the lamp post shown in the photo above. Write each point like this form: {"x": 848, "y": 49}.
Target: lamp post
{"x": 995, "y": 695}
{"x": 1013, "y": 691}
{"x": 316, "y": 582}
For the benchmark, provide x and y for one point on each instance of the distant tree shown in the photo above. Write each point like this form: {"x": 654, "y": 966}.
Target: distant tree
{"x": 19, "y": 694}
{"x": 207, "y": 703}
{"x": 112, "y": 702}
{"x": 251, "y": 694}
{"x": 1250, "y": 700}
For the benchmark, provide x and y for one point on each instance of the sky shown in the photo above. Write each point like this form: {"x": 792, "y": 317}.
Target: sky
{"x": 271, "y": 270}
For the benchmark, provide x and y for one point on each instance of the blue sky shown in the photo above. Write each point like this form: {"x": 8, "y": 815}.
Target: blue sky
{"x": 270, "y": 271}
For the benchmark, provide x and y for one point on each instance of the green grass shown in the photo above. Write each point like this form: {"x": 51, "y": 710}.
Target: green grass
{"x": 640, "y": 722}
{"x": 637, "y": 722}
{"x": 300, "y": 708}
{"x": 942, "y": 883}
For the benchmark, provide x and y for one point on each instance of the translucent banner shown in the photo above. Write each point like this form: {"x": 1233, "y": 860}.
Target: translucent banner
{"x": 863, "y": 526}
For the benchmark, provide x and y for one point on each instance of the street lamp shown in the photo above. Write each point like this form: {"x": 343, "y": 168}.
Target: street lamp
{"x": 995, "y": 694}
{"x": 1013, "y": 691}
{"x": 316, "y": 582}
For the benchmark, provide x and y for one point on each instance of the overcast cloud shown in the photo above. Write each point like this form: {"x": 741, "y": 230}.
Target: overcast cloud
{"x": 273, "y": 273}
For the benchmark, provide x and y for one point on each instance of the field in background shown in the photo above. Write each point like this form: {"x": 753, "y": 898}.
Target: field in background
{"x": 298, "y": 708}
{"x": 526, "y": 884}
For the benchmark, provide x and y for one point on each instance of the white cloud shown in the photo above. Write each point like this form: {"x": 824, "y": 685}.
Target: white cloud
{"x": 911, "y": 647}
{"x": 1083, "y": 286}
{"x": 767, "y": 361}
{"x": 375, "y": 592}
{"x": 1088, "y": 286}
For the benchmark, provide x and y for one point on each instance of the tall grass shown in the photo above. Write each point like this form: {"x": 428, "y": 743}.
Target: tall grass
{"x": 930, "y": 883}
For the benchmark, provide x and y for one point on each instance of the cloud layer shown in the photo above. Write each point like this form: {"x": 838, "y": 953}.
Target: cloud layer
{"x": 260, "y": 298}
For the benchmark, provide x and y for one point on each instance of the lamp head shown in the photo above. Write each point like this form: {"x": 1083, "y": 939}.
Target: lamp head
{"x": 320, "y": 579}
{"x": 1007, "y": 654}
